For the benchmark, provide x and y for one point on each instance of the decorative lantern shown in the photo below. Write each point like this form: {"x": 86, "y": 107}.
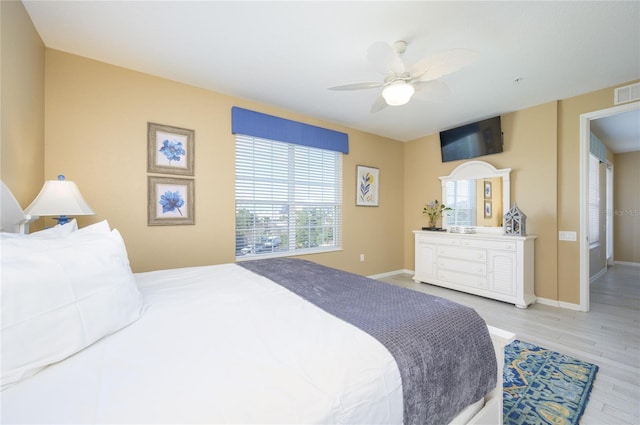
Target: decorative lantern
{"x": 515, "y": 222}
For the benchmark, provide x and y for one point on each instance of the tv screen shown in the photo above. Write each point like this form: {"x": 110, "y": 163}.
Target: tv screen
{"x": 471, "y": 140}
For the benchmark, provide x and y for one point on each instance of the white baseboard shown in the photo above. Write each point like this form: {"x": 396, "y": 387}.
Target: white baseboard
{"x": 627, "y": 263}
{"x": 561, "y": 304}
{"x": 597, "y": 275}
{"x": 388, "y": 274}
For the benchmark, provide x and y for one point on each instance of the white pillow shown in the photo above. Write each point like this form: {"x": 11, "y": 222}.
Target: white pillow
{"x": 99, "y": 227}
{"x": 61, "y": 295}
{"x": 62, "y": 230}
{"x": 57, "y": 230}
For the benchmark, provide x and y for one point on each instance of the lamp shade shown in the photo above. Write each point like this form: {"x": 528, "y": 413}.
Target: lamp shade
{"x": 59, "y": 197}
{"x": 398, "y": 93}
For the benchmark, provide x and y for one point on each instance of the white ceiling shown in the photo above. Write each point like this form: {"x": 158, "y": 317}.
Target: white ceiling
{"x": 288, "y": 54}
{"x": 619, "y": 132}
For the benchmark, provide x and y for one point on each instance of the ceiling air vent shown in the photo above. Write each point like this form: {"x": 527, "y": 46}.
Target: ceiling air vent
{"x": 626, "y": 94}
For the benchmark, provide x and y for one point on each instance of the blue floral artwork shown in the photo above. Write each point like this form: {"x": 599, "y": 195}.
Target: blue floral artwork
{"x": 171, "y": 201}
{"x": 173, "y": 150}
{"x": 170, "y": 149}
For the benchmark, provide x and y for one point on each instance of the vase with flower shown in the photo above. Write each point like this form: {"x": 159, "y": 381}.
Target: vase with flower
{"x": 434, "y": 210}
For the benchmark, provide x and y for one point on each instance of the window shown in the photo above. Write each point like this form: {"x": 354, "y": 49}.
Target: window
{"x": 594, "y": 200}
{"x": 288, "y": 198}
{"x": 461, "y": 198}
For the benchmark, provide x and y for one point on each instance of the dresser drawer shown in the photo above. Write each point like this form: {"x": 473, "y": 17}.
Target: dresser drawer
{"x": 453, "y": 264}
{"x": 466, "y": 279}
{"x": 462, "y": 253}
{"x": 436, "y": 240}
{"x": 489, "y": 244}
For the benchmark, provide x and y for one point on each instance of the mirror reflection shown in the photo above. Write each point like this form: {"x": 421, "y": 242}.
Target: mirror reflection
{"x": 475, "y": 202}
{"x": 478, "y": 195}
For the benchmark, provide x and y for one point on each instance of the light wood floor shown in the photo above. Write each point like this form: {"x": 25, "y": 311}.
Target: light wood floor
{"x": 608, "y": 335}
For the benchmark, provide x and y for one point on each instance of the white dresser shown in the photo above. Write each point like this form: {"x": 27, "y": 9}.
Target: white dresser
{"x": 491, "y": 265}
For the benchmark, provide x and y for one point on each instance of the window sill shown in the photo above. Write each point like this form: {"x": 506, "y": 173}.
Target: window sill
{"x": 249, "y": 257}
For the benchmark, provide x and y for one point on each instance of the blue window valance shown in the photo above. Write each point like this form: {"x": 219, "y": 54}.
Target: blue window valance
{"x": 256, "y": 124}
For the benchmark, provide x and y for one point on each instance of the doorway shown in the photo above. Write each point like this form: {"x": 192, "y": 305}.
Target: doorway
{"x": 609, "y": 214}
{"x": 585, "y": 131}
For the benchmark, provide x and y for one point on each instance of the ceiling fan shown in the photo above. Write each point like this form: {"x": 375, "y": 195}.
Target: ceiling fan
{"x": 402, "y": 81}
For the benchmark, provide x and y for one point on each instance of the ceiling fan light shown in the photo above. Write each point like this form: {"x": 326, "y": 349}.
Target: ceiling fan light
{"x": 398, "y": 93}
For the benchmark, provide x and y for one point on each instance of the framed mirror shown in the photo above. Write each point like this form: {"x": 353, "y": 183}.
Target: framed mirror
{"x": 478, "y": 195}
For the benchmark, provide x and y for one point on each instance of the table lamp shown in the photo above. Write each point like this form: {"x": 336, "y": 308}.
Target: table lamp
{"x": 59, "y": 198}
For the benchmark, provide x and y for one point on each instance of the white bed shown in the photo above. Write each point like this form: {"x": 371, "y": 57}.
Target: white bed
{"x": 214, "y": 344}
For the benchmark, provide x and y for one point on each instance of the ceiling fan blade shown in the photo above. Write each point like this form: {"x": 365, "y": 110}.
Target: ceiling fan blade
{"x": 433, "y": 91}
{"x": 358, "y": 86}
{"x": 384, "y": 59}
{"x": 378, "y": 105}
{"x": 443, "y": 63}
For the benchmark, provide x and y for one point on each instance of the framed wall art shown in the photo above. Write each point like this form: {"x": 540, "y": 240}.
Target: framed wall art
{"x": 488, "y": 207}
{"x": 171, "y": 201}
{"x": 367, "y": 186}
{"x": 487, "y": 190}
{"x": 169, "y": 149}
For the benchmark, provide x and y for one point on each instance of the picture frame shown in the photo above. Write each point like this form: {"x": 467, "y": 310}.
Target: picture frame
{"x": 487, "y": 190}
{"x": 367, "y": 186}
{"x": 170, "y": 201}
{"x": 170, "y": 149}
{"x": 488, "y": 207}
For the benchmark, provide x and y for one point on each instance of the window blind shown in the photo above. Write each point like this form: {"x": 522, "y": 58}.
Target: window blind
{"x": 461, "y": 196}
{"x": 288, "y": 198}
{"x": 597, "y": 148}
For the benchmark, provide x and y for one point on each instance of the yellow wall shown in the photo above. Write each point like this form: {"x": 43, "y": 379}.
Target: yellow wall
{"x": 569, "y": 112}
{"x": 626, "y": 201}
{"x": 96, "y": 120}
{"x": 530, "y": 152}
{"x": 22, "y": 104}
{"x": 542, "y": 147}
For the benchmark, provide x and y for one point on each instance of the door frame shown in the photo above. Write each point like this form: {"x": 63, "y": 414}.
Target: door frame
{"x": 585, "y": 131}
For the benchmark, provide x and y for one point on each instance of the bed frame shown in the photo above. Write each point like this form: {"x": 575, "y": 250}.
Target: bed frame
{"x": 487, "y": 411}
{"x": 491, "y": 413}
{"x": 13, "y": 219}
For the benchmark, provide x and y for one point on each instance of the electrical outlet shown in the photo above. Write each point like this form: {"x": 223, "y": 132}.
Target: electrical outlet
{"x": 361, "y": 257}
{"x": 567, "y": 236}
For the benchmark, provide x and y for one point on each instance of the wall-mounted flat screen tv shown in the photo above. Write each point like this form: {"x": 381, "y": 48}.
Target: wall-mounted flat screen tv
{"x": 472, "y": 140}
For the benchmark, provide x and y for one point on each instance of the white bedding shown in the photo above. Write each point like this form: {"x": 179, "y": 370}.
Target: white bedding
{"x": 217, "y": 344}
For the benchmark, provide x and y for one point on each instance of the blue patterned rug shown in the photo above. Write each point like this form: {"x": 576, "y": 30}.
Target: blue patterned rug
{"x": 544, "y": 387}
